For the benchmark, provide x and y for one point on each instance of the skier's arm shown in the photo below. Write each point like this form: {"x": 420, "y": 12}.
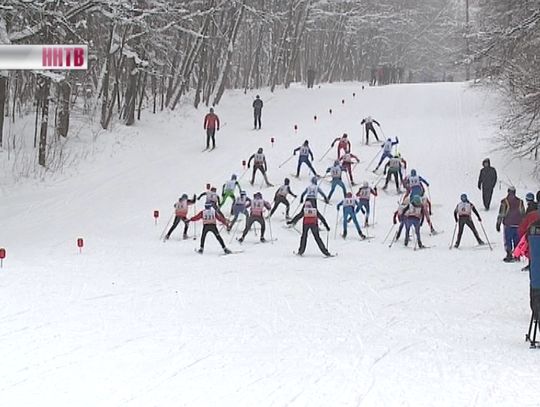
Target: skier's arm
{"x": 386, "y": 167}
{"x": 267, "y": 205}
{"x": 480, "y": 179}
{"x": 217, "y": 122}
{"x": 376, "y": 122}
{"x": 222, "y": 219}
{"x": 395, "y": 142}
{"x": 424, "y": 181}
{"x": 197, "y": 217}
{"x": 296, "y": 150}
{"x": 321, "y": 218}
{"x": 265, "y": 165}
{"x": 323, "y": 194}
{"x": 338, "y": 207}
{"x": 363, "y": 121}
{"x": 334, "y": 142}
{"x": 303, "y": 195}
{"x": 250, "y": 160}
{"x": 501, "y": 215}
{"x": 192, "y": 201}
{"x": 291, "y": 192}
{"x": 455, "y": 214}
{"x": 374, "y": 191}
{"x": 239, "y": 187}
{"x": 476, "y": 213}
{"x": 201, "y": 195}
{"x": 205, "y": 122}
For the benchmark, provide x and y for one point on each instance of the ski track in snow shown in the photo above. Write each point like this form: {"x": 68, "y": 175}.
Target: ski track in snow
{"x": 133, "y": 321}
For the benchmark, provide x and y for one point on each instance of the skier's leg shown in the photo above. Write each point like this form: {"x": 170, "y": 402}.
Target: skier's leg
{"x": 203, "y": 236}
{"x": 345, "y": 221}
{"x": 407, "y": 230}
{"x": 332, "y": 189}
{"x": 461, "y": 224}
{"x": 186, "y": 226}
{"x": 303, "y": 240}
{"x": 388, "y": 176}
{"x": 397, "y": 180}
{"x": 287, "y": 206}
{"x": 215, "y": 231}
{"x": 249, "y": 222}
{"x": 416, "y": 225}
{"x": 471, "y": 226}
{"x": 298, "y": 167}
{"x": 342, "y": 185}
{"x": 260, "y": 221}
{"x": 311, "y": 167}
{"x": 317, "y": 236}
{"x": 255, "y": 119}
{"x": 213, "y": 138}
{"x": 265, "y": 177}
{"x": 357, "y": 224}
{"x": 207, "y": 138}
{"x": 253, "y": 175}
{"x": 174, "y": 225}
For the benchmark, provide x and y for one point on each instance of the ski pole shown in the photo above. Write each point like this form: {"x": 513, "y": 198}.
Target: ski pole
{"x": 453, "y": 236}
{"x": 270, "y": 230}
{"x": 286, "y": 161}
{"x": 166, "y": 226}
{"x": 393, "y": 239}
{"x": 374, "y": 201}
{"x": 234, "y": 231}
{"x": 335, "y": 227}
{"x": 373, "y": 159}
{"x": 244, "y": 173}
{"x": 195, "y": 225}
{"x": 326, "y": 152}
{"x": 388, "y": 234}
{"x": 485, "y": 234}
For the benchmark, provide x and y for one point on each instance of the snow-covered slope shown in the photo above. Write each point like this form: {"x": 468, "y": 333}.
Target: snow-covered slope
{"x": 133, "y": 321}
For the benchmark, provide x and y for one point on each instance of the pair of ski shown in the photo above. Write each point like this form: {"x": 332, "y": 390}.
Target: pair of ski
{"x": 208, "y": 149}
{"x": 325, "y": 257}
{"x": 222, "y": 254}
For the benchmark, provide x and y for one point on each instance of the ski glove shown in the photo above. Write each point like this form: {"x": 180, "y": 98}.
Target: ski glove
{"x": 328, "y": 228}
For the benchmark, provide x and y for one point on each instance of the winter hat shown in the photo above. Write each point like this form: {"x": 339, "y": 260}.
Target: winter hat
{"x": 184, "y": 196}
{"x": 260, "y": 150}
{"x": 242, "y": 192}
{"x": 463, "y": 198}
{"x": 287, "y": 181}
{"x": 211, "y": 110}
{"x": 413, "y": 173}
{"x": 529, "y": 197}
{"x": 486, "y": 161}
{"x": 233, "y": 177}
{"x": 512, "y": 189}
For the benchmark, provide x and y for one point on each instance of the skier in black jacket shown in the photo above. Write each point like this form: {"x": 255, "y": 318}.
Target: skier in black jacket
{"x": 487, "y": 181}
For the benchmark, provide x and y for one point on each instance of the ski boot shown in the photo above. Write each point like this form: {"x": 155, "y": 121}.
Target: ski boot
{"x": 263, "y": 240}
{"x": 226, "y": 251}
{"x": 185, "y": 236}
{"x": 200, "y": 251}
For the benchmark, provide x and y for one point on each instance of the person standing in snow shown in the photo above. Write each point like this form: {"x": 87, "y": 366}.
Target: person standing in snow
{"x": 239, "y": 207}
{"x": 258, "y": 165}
{"x": 386, "y": 151}
{"x": 304, "y": 156}
{"x": 413, "y": 184}
{"x": 335, "y": 172}
{"x": 227, "y": 191}
{"x": 413, "y": 214}
{"x": 211, "y": 124}
{"x": 364, "y": 196}
{"x": 209, "y": 217}
{"x": 281, "y": 198}
{"x": 350, "y": 209}
{"x": 511, "y": 213}
{"x": 368, "y": 122}
{"x": 311, "y": 192}
{"x": 487, "y": 181}
{"x": 257, "y": 205}
{"x": 344, "y": 145}
{"x": 393, "y": 168}
{"x": 257, "y": 110}
{"x": 531, "y": 205}
{"x": 212, "y": 197}
{"x": 463, "y": 216}
{"x": 311, "y": 223}
{"x": 346, "y": 163}
{"x": 399, "y": 216}
{"x": 180, "y": 214}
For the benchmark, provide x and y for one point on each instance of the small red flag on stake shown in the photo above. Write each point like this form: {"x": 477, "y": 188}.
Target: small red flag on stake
{"x": 342, "y": 101}
{"x": 2, "y": 256}
{"x": 315, "y": 117}
{"x": 244, "y": 164}
{"x": 80, "y": 244}
{"x": 295, "y": 128}
{"x": 272, "y": 141}
{"x": 354, "y": 95}
{"x": 156, "y": 216}
{"x": 330, "y": 111}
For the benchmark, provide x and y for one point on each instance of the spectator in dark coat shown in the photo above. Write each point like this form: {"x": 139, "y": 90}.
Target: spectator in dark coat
{"x": 487, "y": 181}
{"x": 257, "y": 110}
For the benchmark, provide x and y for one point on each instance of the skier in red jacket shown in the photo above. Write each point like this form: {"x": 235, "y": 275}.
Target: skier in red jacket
{"x": 211, "y": 124}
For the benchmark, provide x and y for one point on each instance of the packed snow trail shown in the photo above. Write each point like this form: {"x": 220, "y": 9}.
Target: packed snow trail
{"x": 133, "y": 321}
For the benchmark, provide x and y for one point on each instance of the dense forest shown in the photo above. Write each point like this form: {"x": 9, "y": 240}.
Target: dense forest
{"x": 147, "y": 55}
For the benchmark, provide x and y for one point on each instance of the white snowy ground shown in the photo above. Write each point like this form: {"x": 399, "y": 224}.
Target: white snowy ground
{"x": 135, "y": 322}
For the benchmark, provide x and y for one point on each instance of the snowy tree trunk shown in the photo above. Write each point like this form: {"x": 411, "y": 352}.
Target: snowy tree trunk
{"x": 3, "y": 86}
{"x": 220, "y": 84}
{"x": 44, "y": 83}
{"x": 63, "y": 114}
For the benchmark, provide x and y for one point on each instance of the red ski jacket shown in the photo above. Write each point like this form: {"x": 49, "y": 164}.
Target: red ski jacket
{"x": 211, "y": 121}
